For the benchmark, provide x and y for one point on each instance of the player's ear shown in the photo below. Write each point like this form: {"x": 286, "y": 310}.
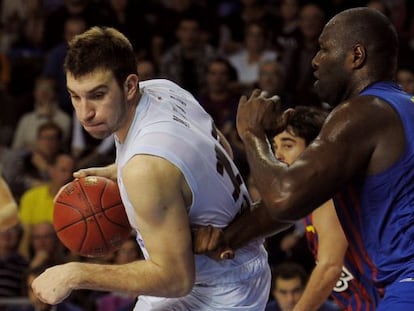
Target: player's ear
{"x": 359, "y": 55}
{"x": 131, "y": 84}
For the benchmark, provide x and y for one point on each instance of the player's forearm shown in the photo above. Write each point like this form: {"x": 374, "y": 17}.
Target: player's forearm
{"x": 319, "y": 287}
{"x": 253, "y": 224}
{"x": 139, "y": 278}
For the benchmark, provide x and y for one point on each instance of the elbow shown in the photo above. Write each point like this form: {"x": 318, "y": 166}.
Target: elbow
{"x": 181, "y": 285}
{"x": 184, "y": 288}
{"x": 332, "y": 271}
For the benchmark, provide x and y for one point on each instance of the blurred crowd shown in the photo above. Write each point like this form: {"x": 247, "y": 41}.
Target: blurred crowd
{"x": 217, "y": 50}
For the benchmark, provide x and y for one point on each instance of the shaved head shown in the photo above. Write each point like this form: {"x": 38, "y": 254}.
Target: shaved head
{"x": 374, "y": 31}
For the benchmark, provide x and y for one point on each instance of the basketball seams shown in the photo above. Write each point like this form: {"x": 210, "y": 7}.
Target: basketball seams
{"x": 95, "y": 213}
{"x": 91, "y": 217}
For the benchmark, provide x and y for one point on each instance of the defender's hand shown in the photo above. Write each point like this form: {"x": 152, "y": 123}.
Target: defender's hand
{"x": 210, "y": 241}
{"x": 258, "y": 114}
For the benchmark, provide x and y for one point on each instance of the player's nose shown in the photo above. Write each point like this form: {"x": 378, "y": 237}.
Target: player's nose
{"x": 279, "y": 156}
{"x": 85, "y": 111}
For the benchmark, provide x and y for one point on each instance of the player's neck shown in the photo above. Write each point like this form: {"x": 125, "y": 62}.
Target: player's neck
{"x": 122, "y": 133}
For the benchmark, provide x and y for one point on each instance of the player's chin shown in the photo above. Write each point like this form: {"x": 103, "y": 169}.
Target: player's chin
{"x": 319, "y": 90}
{"x": 98, "y": 132}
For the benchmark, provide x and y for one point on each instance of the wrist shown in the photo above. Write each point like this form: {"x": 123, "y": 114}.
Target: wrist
{"x": 74, "y": 275}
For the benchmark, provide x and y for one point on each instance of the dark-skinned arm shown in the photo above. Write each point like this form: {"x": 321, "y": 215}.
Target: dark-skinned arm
{"x": 252, "y": 224}
{"x": 326, "y": 165}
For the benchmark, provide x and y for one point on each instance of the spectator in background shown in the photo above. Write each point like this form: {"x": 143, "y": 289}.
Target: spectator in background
{"x": 9, "y": 112}
{"x": 4, "y": 71}
{"x": 146, "y": 69}
{"x": 24, "y": 169}
{"x": 289, "y": 32}
{"x": 26, "y": 57}
{"x": 30, "y": 38}
{"x": 12, "y": 263}
{"x": 122, "y": 15}
{"x": 128, "y": 252}
{"x": 91, "y": 11}
{"x": 255, "y": 50}
{"x": 167, "y": 17}
{"x": 402, "y": 17}
{"x": 185, "y": 63}
{"x": 220, "y": 98}
{"x": 36, "y": 204}
{"x": 288, "y": 282}
{"x": 297, "y": 59}
{"x": 19, "y": 9}
{"x": 44, "y": 246}
{"x": 46, "y": 109}
{"x": 272, "y": 79}
{"x": 233, "y": 26}
{"x": 381, "y": 6}
{"x": 53, "y": 66}
{"x": 405, "y": 77}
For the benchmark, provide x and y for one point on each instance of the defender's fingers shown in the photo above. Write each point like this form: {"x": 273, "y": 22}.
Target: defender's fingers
{"x": 214, "y": 241}
{"x": 255, "y": 93}
{"x": 275, "y": 98}
{"x": 242, "y": 99}
{"x": 227, "y": 254}
{"x": 201, "y": 239}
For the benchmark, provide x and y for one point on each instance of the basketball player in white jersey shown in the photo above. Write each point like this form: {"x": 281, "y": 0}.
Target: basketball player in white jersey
{"x": 173, "y": 174}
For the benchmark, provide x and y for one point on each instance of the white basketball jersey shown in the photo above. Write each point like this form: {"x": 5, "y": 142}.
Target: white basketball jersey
{"x": 170, "y": 123}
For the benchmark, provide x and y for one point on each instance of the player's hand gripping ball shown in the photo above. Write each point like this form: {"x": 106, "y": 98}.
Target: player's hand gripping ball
{"x": 89, "y": 217}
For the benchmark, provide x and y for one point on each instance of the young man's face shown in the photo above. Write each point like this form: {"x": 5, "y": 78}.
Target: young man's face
{"x": 288, "y": 146}
{"x": 287, "y": 292}
{"x": 100, "y": 104}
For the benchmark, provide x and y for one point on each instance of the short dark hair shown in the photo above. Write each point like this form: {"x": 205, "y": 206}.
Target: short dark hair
{"x": 289, "y": 270}
{"x": 101, "y": 48}
{"x": 231, "y": 71}
{"x": 375, "y": 31}
{"x": 305, "y": 122}
{"x": 50, "y": 125}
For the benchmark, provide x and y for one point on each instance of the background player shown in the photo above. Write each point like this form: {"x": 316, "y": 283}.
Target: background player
{"x": 337, "y": 264}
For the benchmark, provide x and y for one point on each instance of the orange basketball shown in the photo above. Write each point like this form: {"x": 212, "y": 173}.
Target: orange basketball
{"x": 89, "y": 217}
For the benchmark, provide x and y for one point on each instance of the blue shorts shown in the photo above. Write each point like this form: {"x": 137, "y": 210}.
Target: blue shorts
{"x": 399, "y": 296}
